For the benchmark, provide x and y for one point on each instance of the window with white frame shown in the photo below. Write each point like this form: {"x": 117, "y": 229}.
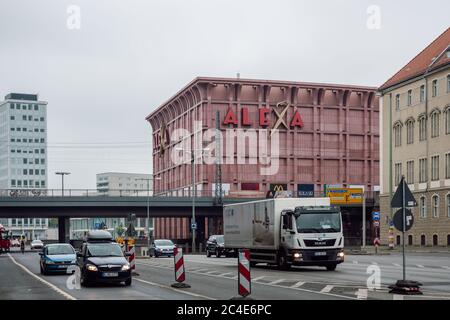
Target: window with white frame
{"x": 434, "y": 168}
{"x": 397, "y": 102}
{"x": 435, "y": 205}
{"x": 434, "y": 88}
{"x": 422, "y": 128}
{"x": 410, "y": 131}
{"x": 423, "y": 168}
{"x": 398, "y": 173}
{"x": 447, "y": 204}
{"x": 423, "y": 207}
{"x": 397, "y": 134}
{"x": 409, "y": 97}
{"x": 410, "y": 172}
{"x": 422, "y": 93}
{"x": 435, "y": 124}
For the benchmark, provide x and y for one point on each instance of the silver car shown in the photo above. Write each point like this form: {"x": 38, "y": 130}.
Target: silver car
{"x": 37, "y": 244}
{"x": 162, "y": 247}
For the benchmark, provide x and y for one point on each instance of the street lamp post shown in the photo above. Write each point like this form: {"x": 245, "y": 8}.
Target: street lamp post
{"x": 62, "y": 174}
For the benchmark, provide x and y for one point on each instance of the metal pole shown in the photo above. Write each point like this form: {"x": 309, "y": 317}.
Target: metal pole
{"x": 194, "y": 189}
{"x": 148, "y": 215}
{"x": 404, "y": 226}
{"x": 364, "y": 220}
{"x": 62, "y": 184}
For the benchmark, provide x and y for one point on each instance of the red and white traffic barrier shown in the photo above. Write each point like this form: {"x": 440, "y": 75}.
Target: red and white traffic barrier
{"x": 132, "y": 257}
{"x": 244, "y": 280}
{"x": 180, "y": 276}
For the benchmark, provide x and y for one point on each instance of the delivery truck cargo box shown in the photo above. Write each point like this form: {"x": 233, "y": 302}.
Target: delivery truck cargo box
{"x": 256, "y": 224}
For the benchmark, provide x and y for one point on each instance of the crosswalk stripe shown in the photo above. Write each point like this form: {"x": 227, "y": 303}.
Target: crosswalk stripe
{"x": 277, "y": 281}
{"x": 327, "y": 288}
{"x": 298, "y": 284}
{"x": 420, "y": 266}
{"x": 258, "y": 278}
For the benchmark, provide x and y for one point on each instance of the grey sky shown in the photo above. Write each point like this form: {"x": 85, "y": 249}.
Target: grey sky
{"x": 130, "y": 56}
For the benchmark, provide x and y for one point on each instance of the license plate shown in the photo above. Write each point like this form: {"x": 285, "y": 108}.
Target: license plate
{"x": 61, "y": 266}
{"x": 320, "y": 253}
{"x": 110, "y": 274}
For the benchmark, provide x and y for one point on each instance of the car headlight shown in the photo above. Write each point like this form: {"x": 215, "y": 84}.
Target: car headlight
{"x": 91, "y": 267}
{"x": 49, "y": 261}
{"x": 340, "y": 255}
{"x": 125, "y": 267}
{"x": 297, "y": 255}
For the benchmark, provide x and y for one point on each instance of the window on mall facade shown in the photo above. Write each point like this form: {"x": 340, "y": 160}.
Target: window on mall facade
{"x": 434, "y": 168}
{"x": 397, "y": 134}
{"x": 435, "y": 205}
{"x": 435, "y": 124}
{"x": 423, "y": 207}
{"x": 398, "y": 173}
{"x": 410, "y": 131}
{"x": 422, "y": 128}
{"x": 410, "y": 172}
{"x": 423, "y": 168}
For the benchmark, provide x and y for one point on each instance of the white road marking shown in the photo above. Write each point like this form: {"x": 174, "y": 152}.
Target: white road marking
{"x": 397, "y": 297}
{"x": 277, "y": 281}
{"x": 235, "y": 277}
{"x": 298, "y": 284}
{"x": 374, "y": 263}
{"x": 327, "y": 289}
{"x": 52, "y": 286}
{"x": 419, "y": 266}
{"x": 396, "y": 264}
{"x": 174, "y": 289}
{"x": 224, "y": 274}
{"x": 361, "y": 294}
{"x": 211, "y": 272}
{"x": 258, "y": 278}
{"x": 445, "y": 267}
{"x": 355, "y": 262}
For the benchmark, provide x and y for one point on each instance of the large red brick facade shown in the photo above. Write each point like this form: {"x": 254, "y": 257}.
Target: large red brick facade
{"x": 326, "y": 134}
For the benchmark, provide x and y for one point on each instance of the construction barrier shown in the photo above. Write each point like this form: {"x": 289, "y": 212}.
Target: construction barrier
{"x": 244, "y": 281}
{"x": 131, "y": 258}
{"x": 180, "y": 276}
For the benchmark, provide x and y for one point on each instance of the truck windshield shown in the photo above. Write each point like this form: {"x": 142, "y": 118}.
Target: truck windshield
{"x": 318, "y": 222}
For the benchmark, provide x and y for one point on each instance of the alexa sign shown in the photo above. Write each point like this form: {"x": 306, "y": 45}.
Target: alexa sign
{"x": 264, "y": 117}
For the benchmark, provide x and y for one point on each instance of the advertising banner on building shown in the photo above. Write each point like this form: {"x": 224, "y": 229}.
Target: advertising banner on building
{"x": 305, "y": 190}
{"x": 279, "y": 190}
{"x": 345, "y": 196}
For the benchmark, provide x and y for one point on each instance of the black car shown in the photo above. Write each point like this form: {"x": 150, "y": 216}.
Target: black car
{"x": 101, "y": 260}
{"x": 216, "y": 245}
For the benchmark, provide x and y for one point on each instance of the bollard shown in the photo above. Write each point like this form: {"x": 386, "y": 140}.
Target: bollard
{"x": 131, "y": 258}
{"x": 244, "y": 279}
{"x": 180, "y": 276}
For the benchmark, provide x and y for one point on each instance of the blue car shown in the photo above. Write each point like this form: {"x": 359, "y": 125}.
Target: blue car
{"x": 57, "y": 258}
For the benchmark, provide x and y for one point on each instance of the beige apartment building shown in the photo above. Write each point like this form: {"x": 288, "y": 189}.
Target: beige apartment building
{"x": 415, "y": 142}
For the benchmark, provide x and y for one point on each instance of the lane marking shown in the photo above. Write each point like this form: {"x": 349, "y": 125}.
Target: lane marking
{"x": 445, "y": 267}
{"x": 419, "y": 266}
{"x": 235, "y": 277}
{"x": 277, "y": 281}
{"x": 258, "y": 278}
{"x": 362, "y": 294}
{"x": 52, "y": 286}
{"x": 327, "y": 289}
{"x": 374, "y": 263}
{"x": 397, "y": 297}
{"x": 397, "y": 265}
{"x": 224, "y": 274}
{"x": 174, "y": 289}
{"x": 298, "y": 284}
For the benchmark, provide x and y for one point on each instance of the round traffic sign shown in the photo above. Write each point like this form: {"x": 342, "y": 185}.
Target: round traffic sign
{"x": 398, "y": 217}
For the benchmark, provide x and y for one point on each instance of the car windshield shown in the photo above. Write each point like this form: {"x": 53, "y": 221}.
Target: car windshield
{"x": 220, "y": 239}
{"x": 59, "y": 249}
{"x": 163, "y": 243}
{"x": 318, "y": 222}
{"x": 37, "y": 241}
{"x": 104, "y": 250}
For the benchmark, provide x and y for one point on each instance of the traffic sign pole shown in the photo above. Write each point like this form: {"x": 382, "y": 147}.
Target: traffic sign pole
{"x": 404, "y": 227}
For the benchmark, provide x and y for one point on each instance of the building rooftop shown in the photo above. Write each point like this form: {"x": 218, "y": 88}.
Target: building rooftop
{"x": 21, "y": 96}
{"x": 435, "y": 55}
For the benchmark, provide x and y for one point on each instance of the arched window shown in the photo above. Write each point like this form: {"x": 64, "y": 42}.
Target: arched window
{"x": 410, "y": 240}
{"x": 410, "y": 131}
{"x": 434, "y": 116}
{"x": 435, "y": 205}
{"x": 398, "y": 134}
{"x": 398, "y": 240}
{"x": 435, "y": 240}
{"x": 423, "y": 207}
{"x": 423, "y": 240}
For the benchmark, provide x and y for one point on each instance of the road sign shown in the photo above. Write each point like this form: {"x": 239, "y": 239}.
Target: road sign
{"x": 376, "y": 216}
{"x": 409, "y": 218}
{"x": 397, "y": 199}
{"x": 376, "y": 223}
{"x": 194, "y": 226}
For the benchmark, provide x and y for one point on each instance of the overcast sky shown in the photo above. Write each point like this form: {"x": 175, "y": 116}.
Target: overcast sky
{"x": 128, "y": 57}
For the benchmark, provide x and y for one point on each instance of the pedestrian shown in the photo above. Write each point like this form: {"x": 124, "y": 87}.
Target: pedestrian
{"x": 22, "y": 245}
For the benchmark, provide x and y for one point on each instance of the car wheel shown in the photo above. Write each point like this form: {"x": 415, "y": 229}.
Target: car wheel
{"x": 128, "y": 282}
{"x": 42, "y": 270}
{"x": 217, "y": 253}
{"x": 331, "y": 267}
{"x": 84, "y": 282}
{"x": 208, "y": 254}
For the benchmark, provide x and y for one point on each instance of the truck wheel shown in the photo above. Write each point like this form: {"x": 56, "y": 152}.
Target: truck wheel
{"x": 282, "y": 262}
{"x": 331, "y": 267}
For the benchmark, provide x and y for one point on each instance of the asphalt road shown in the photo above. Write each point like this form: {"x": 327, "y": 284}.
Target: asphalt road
{"x": 216, "y": 278}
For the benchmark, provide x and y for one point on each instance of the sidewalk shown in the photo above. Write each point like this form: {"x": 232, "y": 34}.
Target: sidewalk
{"x": 385, "y": 250}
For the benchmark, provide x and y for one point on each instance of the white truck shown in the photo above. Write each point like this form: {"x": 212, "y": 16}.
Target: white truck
{"x": 286, "y": 231}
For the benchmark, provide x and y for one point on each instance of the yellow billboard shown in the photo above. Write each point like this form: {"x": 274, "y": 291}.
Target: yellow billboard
{"x": 344, "y": 196}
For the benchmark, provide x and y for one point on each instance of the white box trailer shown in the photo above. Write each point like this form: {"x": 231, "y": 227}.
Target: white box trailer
{"x": 286, "y": 231}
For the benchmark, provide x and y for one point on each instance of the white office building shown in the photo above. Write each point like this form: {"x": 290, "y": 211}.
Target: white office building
{"x": 116, "y": 184}
{"x": 23, "y": 156}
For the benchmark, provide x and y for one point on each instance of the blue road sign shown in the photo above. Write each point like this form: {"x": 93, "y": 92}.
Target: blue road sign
{"x": 376, "y": 216}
